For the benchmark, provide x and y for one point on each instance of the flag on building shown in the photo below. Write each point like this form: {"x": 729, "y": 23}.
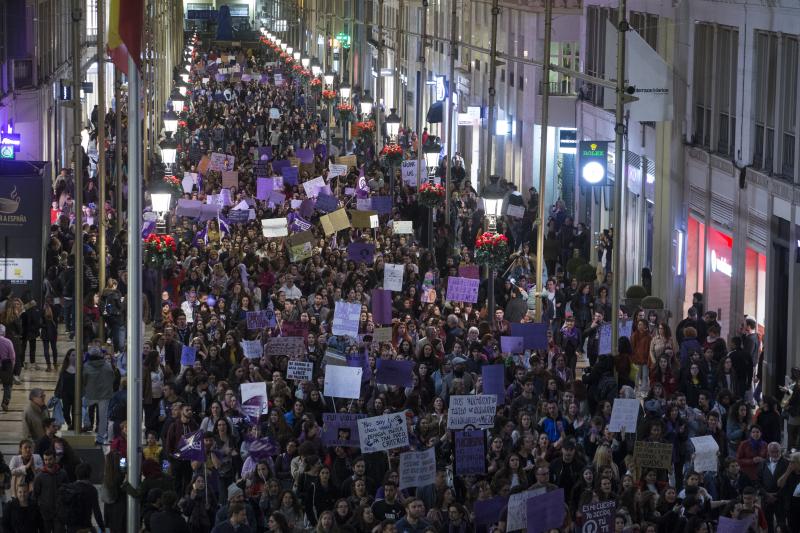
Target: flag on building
{"x": 125, "y": 24}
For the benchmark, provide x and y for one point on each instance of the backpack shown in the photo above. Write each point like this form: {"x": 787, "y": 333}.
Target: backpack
{"x": 607, "y": 389}
{"x": 70, "y": 503}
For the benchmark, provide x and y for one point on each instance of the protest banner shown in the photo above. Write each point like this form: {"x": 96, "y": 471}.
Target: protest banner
{"x": 487, "y": 512}
{"x": 517, "y": 515}
{"x": 253, "y": 390}
{"x": 598, "y": 517}
{"x": 462, "y": 289}
{"x": 653, "y": 454}
{"x": 706, "y": 451}
{"x": 361, "y": 252}
{"x": 494, "y": 381}
{"x": 274, "y": 227}
{"x": 381, "y": 302}
{"x": 469, "y": 271}
{"x": 252, "y": 349}
{"x": 417, "y": 469}
{"x": 381, "y": 204}
{"x": 545, "y": 511}
{"x": 402, "y": 227}
{"x": 342, "y": 382}
{"x": 408, "y": 169}
{"x": 300, "y": 246}
{"x": 188, "y": 208}
{"x": 230, "y": 178}
{"x": 335, "y": 221}
{"x": 188, "y": 355}
{"x": 361, "y": 219}
{"x": 300, "y": 370}
{"x": 534, "y": 335}
{"x": 393, "y": 277}
{"x": 336, "y": 170}
{"x": 341, "y": 429}
{"x": 291, "y": 346}
{"x": 392, "y": 372}
{"x": 511, "y": 345}
{"x": 238, "y": 216}
{"x": 730, "y": 525}
{"x": 290, "y": 174}
{"x": 257, "y": 320}
{"x": 221, "y": 162}
{"x": 625, "y": 413}
{"x": 312, "y": 187}
{"x": 470, "y": 452}
{"x": 350, "y": 161}
{"x": 384, "y": 432}
{"x": 346, "y": 317}
{"x": 382, "y": 334}
{"x": 326, "y": 203}
{"x": 294, "y": 328}
{"x": 472, "y": 410}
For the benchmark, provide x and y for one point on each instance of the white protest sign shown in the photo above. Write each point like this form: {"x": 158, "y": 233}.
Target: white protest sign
{"x": 312, "y": 187}
{"x": 252, "y": 349}
{"x": 253, "y": 390}
{"x": 300, "y": 370}
{"x": 393, "y": 277}
{"x": 402, "y": 227}
{"x": 274, "y": 112}
{"x": 343, "y": 382}
{"x": 472, "y": 410}
{"x": 705, "y": 454}
{"x": 408, "y": 169}
{"x": 373, "y": 221}
{"x": 274, "y": 227}
{"x": 417, "y": 469}
{"x": 385, "y": 432}
{"x": 345, "y": 318}
{"x": 624, "y": 414}
{"x": 516, "y": 211}
{"x": 364, "y": 204}
{"x": 189, "y": 180}
{"x": 517, "y": 510}
{"x": 336, "y": 170}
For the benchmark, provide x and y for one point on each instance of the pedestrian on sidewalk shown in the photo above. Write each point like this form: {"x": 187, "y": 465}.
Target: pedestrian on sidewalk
{"x": 35, "y": 414}
{"x": 12, "y": 320}
{"x": 7, "y": 360}
{"x": 98, "y": 379}
{"x": 49, "y": 336}
{"x": 31, "y": 328}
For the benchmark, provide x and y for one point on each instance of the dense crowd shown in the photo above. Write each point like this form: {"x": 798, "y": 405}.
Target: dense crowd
{"x": 213, "y": 463}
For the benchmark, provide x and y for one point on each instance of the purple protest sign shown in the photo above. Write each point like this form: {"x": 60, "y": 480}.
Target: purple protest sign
{"x": 534, "y": 336}
{"x": 392, "y": 372}
{"x": 462, "y": 289}
{"x": 279, "y": 164}
{"x": 361, "y": 252}
{"x": 322, "y": 151}
{"x": 470, "y": 452}
{"x": 341, "y": 429}
{"x": 188, "y": 355}
{"x": 494, "y": 381}
{"x": 294, "y": 329}
{"x": 599, "y": 516}
{"x": 307, "y": 208}
{"x": 326, "y": 203}
{"x": 729, "y": 525}
{"x": 512, "y": 345}
{"x": 487, "y": 512}
{"x": 252, "y": 408}
{"x": 264, "y": 448}
{"x": 298, "y": 224}
{"x": 276, "y": 198}
{"x": 469, "y": 271}
{"x": 305, "y": 155}
{"x": 381, "y": 204}
{"x": 265, "y": 151}
{"x": 258, "y": 320}
{"x": 382, "y": 306}
{"x": 264, "y": 186}
{"x": 190, "y": 447}
{"x": 290, "y": 175}
{"x": 360, "y": 360}
{"x": 545, "y": 511}
{"x": 261, "y": 169}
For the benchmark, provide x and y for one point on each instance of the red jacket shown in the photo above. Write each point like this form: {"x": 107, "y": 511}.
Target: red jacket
{"x": 641, "y": 347}
{"x": 745, "y": 455}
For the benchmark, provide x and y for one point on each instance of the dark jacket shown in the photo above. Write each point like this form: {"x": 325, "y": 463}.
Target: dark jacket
{"x": 91, "y": 506}
{"x": 45, "y": 490}
{"x": 169, "y": 521}
{"x": 31, "y": 322}
{"x": 19, "y": 519}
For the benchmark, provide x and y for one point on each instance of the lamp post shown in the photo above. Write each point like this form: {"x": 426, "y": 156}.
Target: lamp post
{"x": 328, "y": 80}
{"x": 432, "y": 151}
{"x": 392, "y": 132}
{"x": 169, "y": 149}
{"x": 366, "y": 106}
{"x": 492, "y": 209}
{"x": 177, "y": 100}
{"x": 345, "y": 92}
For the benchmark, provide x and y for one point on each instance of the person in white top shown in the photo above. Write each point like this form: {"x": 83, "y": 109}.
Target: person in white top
{"x": 291, "y": 290}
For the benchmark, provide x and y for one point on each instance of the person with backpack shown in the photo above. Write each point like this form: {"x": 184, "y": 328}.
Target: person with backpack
{"x": 98, "y": 376}
{"x": 112, "y": 311}
{"x": 45, "y": 491}
{"x": 78, "y": 502}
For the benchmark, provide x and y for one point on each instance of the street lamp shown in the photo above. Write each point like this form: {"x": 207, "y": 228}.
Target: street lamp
{"x": 392, "y": 126}
{"x": 432, "y": 151}
{"x": 492, "y": 208}
{"x": 316, "y": 68}
{"x": 329, "y": 78}
{"x": 184, "y": 77}
{"x": 345, "y": 91}
{"x": 169, "y": 149}
{"x": 305, "y": 62}
{"x": 177, "y": 100}
{"x": 290, "y": 50}
{"x": 182, "y": 87}
{"x": 170, "y": 119}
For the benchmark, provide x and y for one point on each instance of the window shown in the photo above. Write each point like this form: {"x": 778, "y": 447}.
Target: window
{"x": 564, "y": 55}
{"x": 596, "y": 46}
{"x": 788, "y": 88}
{"x": 716, "y": 59}
{"x": 646, "y": 25}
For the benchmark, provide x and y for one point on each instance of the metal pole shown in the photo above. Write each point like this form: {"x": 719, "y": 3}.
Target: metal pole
{"x": 492, "y": 93}
{"x": 451, "y": 126}
{"x": 118, "y": 149}
{"x": 421, "y": 87}
{"x": 619, "y": 129}
{"x": 548, "y": 34}
{"x": 101, "y": 152}
{"x": 77, "y": 154}
{"x": 134, "y": 301}
{"x": 379, "y": 93}
{"x": 643, "y": 217}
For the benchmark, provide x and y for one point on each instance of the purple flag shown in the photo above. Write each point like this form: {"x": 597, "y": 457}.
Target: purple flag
{"x": 494, "y": 381}
{"x": 487, "y": 512}
{"x": 392, "y": 372}
{"x": 382, "y": 306}
{"x": 298, "y": 223}
{"x": 362, "y": 190}
{"x": 190, "y": 447}
{"x": 264, "y": 448}
{"x": 545, "y": 511}
{"x": 361, "y": 252}
{"x": 534, "y": 336}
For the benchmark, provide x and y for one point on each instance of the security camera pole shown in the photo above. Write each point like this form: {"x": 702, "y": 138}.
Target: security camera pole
{"x": 619, "y": 179}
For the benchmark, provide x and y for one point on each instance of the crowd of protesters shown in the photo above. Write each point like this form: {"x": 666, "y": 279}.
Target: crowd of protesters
{"x": 550, "y": 433}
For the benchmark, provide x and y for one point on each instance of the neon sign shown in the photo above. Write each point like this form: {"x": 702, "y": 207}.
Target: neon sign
{"x": 9, "y": 143}
{"x": 720, "y": 264}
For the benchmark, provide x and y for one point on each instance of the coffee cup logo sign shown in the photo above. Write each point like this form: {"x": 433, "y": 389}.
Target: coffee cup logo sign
{"x": 720, "y": 264}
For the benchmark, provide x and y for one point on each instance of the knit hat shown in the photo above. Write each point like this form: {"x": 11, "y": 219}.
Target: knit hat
{"x": 234, "y": 491}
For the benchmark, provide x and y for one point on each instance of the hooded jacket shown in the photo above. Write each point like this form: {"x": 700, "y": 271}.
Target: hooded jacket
{"x": 98, "y": 379}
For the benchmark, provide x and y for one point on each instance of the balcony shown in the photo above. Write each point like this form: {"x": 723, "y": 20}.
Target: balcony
{"x": 559, "y": 88}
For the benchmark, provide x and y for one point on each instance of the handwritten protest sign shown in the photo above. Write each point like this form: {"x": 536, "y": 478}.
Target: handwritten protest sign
{"x": 653, "y": 454}
{"x": 290, "y": 346}
{"x": 408, "y": 169}
{"x": 342, "y": 382}
{"x": 385, "y": 432}
{"x": 252, "y": 349}
{"x": 402, "y": 227}
{"x": 604, "y": 339}
{"x": 188, "y": 355}
{"x": 255, "y": 390}
{"x": 336, "y": 170}
{"x": 625, "y": 413}
{"x": 382, "y": 334}
{"x": 221, "y": 162}
{"x": 625, "y": 327}
{"x": 188, "y": 182}
{"x": 517, "y": 510}
{"x": 705, "y": 453}
{"x": 393, "y": 372}
{"x": 230, "y": 178}
{"x": 470, "y": 452}
{"x": 345, "y": 318}
{"x": 469, "y": 271}
{"x": 534, "y": 335}
{"x": 494, "y": 381}
{"x": 312, "y": 187}
{"x": 335, "y": 221}
{"x": 393, "y": 277}
{"x": 341, "y": 429}
{"x": 478, "y": 410}
{"x": 350, "y": 161}
{"x": 274, "y": 227}
{"x": 598, "y": 517}
{"x": 545, "y": 511}
{"x": 462, "y": 289}
{"x": 260, "y": 319}
{"x": 417, "y": 469}
{"x": 300, "y": 370}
